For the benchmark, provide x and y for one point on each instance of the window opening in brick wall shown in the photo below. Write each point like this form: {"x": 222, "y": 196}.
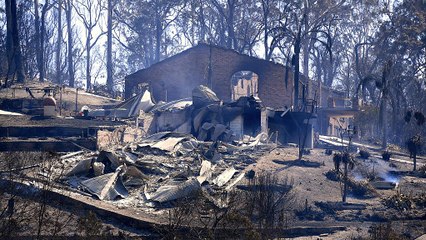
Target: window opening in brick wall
{"x": 244, "y": 84}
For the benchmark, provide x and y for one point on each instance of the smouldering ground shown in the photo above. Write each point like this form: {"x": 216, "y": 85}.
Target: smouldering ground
{"x": 311, "y": 185}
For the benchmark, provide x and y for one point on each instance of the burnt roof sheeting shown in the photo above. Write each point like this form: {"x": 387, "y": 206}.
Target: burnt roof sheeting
{"x": 83, "y": 167}
{"x": 206, "y": 171}
{"x": 146, "y": 103}
{"x": 168, "y": 193}
{"x": 224, "y": 177}
{"x": 129, "y": 108}
{"x": 110, "y": 159}
{"x": 172, "y": 106}
{"x": 132, "y": 105}
{"x": 106, "y": 187}
{"x": 202, "y": 96}
{"x": 169, "y": 142}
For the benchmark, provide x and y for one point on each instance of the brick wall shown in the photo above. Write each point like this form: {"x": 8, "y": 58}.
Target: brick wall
{"x": 175, "y": 77}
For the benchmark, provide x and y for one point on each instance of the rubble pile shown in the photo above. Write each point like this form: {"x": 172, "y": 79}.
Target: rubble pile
{"x": 163, "y": 167}
{"x": 207, "y": 118}
{"x": 189, "y": 146}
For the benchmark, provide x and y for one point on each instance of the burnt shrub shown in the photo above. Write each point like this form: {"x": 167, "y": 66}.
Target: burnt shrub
{"x": 333, "y": 175}
{"x": 328, "y": 152}
{"x": 310, "y": 214}
{"x": 364, "y": 154}
{"x": 384, "y": 231}
{"x": 361, "y": 189}
{"x": 386, "y": 155}
{"x": 422, "y": 171}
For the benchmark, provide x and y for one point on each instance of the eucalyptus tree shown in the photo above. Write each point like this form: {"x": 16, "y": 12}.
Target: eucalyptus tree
{"x": 3, "y": 55}
{"x": 303, "y": 29}
{"x": 192, "y": 23}
{"x": 227, "y": 11}
{"x": 40, "y": 36}
{"x": 58, "y": 43}
{"x": 13, "y": 47}
{"x": 26, "y": 31}
{"x": 70, "y": 39}
{"x": 403, "y": 38}
{"x": 90, "y": 13}
{"x": 147, "y": 29}
{"x": 109, "y": 64}
{"x": 274, "y": 13}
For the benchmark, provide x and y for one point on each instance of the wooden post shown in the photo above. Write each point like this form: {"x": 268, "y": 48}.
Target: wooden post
{"x": 76, "y": 100}
{"x": 345, "y": 183}
{"x": 60, "y": 100}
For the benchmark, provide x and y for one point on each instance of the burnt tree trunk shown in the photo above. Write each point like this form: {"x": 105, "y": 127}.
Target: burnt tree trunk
{"x": 42, "y": 35}
{"x": 383, "y": 116}
{"x": 345, "y": 183}
{"x": 37, "y": 40}
{"x": 110, "y": 81}
{"x": 158, "y": 34}
{"x": 232, "y": 41}
{"x": 415, "y": 162}
{"x": 265, "y": 8}
{"x": 58, "y": 44}
{"x": 68, "y": 14}
{"x": 88, "y": 48}
{"x": 13, "y": 47}
{"x": 295, "y": 62}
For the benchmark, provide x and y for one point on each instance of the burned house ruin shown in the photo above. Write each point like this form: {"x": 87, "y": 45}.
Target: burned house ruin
{"x": 212, "y": 66}
{"x": 238, "y": 80}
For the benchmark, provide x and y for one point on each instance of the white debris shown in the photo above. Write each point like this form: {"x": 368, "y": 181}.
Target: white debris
{"x": 224, "y": 177}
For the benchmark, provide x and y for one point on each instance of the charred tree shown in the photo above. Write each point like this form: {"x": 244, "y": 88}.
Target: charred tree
{"x": 90, "y": 12}
{"x": 68, "y": 14}
{"x": 42, "y": 32}
{"x": 39, "y": 36}
{"x": 14, "y": 56}
{"x": 384, "y": 87}
{"x": 296, "y": 64}
{"x": 37, "y": 40}
{"x": 59, "y": 45}
{"x": 110, "y": 80}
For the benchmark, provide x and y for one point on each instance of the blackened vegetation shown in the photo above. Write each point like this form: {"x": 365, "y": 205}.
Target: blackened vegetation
{"x": 360, "y": 189}
{"x": 364, "y": 154}
{"x": 31, "y": 214}
{"x": 414, "y": 145}
{"x": 407, "y": 116}
{"x": 345, "y": 158}
{"x": 420, "y": 118}
{"x": 386, "y": 155}
{"x": 404, "y": 202}
{"x": 384, "y": 231}
{"x": 261, "y": 210}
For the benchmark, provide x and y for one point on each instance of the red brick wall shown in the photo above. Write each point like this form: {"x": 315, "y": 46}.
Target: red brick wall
{"x": 181, "y": 73}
